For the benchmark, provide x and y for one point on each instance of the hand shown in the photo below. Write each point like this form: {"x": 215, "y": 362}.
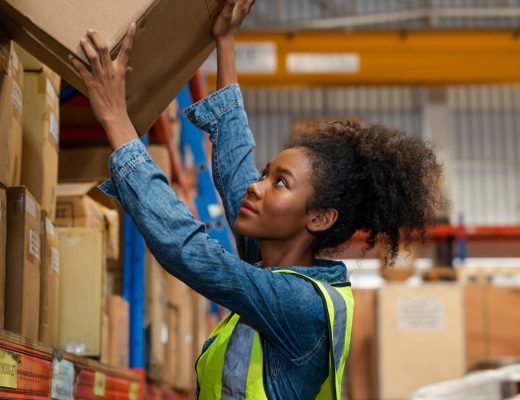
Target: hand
{"x": 230, "y": 18}
{"x": 105, "y": 81}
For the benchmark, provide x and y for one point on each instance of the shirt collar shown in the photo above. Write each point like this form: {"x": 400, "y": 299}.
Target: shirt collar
{"x": 327, "y": 271}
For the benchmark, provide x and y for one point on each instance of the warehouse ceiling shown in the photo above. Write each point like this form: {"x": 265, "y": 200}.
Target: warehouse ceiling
{"x": 384, "y": 14}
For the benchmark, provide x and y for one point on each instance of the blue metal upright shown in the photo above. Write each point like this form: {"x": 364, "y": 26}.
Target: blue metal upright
{"x": 207, "y": 202}
{"x": 134, "y": 286}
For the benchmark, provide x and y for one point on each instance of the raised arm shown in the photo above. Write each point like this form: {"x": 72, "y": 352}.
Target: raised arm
{"x": 224, "y": 117}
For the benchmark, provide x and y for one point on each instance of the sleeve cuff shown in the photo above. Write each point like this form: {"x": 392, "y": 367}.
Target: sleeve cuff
{"x": 126, "y": 158}
{"x": 205, "y": 112}
{"x": 109, "y": 189}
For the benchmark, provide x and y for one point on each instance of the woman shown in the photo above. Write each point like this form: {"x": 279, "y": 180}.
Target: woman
{"x": 289, "y": 331}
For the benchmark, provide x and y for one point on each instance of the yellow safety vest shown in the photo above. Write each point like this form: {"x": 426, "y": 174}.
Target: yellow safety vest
{"x": 211, "y": 365}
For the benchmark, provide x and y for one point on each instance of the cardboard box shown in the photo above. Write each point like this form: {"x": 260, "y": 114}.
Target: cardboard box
{"x": 155, "y": 318}
{"x": 50, "y": 283}
{"x": 362, "y": 373}
{"x": 171, "y": 348}
{"x": 492, "y": 323}
{"x": 181, "y": 29}
{"x": 31, "y": 63}
{"x": 22, "y": 288}
{"x": 420, "y": 337}
{"x": 91, "y": 163}
{"x": 118, "y": 331}
{"x": 41, "y": 137}
{"x": 3, "y": 239}
{"x": 76, "y": 208}
{"x": 81, "y": 306}
{"x": 11, "y": 109}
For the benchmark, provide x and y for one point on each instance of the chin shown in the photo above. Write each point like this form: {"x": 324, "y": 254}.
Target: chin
{"x": 243, "y": 229}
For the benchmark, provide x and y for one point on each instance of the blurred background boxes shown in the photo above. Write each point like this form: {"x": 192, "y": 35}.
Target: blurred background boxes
{"x": 50, "y": 283}
{"x": 82, "y": 274}
{"x": 3, "y": 249}
{"x": 11, "y": 108}
{"x": 77, "y": 208}
{"x": 420, "y": 337}
{"x": 41, "y": 136}
{"x": 23, "y": 266}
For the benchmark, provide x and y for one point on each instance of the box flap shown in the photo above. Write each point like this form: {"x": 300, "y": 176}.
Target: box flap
{"x": 75, "y": 188}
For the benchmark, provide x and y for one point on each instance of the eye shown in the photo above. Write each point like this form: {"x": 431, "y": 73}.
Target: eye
{"x": 280, "y": 182}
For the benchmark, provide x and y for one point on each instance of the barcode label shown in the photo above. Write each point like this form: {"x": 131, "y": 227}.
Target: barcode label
{"x": 54, "y": 127}
{"x": 16, "y": 97}
{"x": 34, "y": 244}
{"x": 30, "y": 206}
{"x": 55, "y": 260}
{"x": 49, "y": 227}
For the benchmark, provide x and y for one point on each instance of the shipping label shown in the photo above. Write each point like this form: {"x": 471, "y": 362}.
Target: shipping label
{"x": 15, "y": 61}
{"x": 100, "y": 382}
{"x": 30, "y": 206}
{"x": 17, "y": 99}
{"x": 49, "y": 227}
{"x": 9, "y": 369}
{"x": 420, "y": 314}
{"x": 55, "y": 260}
{"x": 62, "y": 387}
{"x": 34, "y": 244}
{"x": 49, "y": 88}
{"x": 54, "y": 127}
{"x": 133, "y": 391}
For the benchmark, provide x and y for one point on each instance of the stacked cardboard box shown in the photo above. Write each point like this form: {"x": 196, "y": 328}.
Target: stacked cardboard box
{"x": 11, "y": 108}
{"x": 3, "y": 238}
{"x": 23, "y": 263}
{"x": 50, "y": 282}
{"x": 118, "y": 331}
{"x": 77, "y": 208}
{"x": 420, "y": 337}
{"x": 41, "y": 134}
{"x": 81, "y": 305}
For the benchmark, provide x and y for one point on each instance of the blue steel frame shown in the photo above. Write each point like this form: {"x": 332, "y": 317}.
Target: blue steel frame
{"x": 134, "y": 286}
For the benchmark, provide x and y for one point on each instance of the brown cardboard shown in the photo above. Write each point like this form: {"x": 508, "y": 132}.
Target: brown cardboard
{"x": 23, "y": 263}
{"x": 82, "y": 270}
{"x": 3, "y": 238}
{"x": 41, "y": 137}
{"x": 76, "y": 208}
{"x": 171, "y": 348}
{"x": 118, "y": 328}
{"x": 155, "y": 318}
{"x": 50, "y": 283}
{"x": 91, "y": 163}
{"x": 181, "y": 29}
{"x": 11, "y": 108}
{"x": 32, "y": 64}
{"x": 185, "y": 378}
{"x": 492, "y": 323}
{"x": 362, "y": 379}
{"x": 420, "y": 337}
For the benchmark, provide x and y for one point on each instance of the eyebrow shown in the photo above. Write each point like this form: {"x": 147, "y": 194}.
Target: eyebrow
{"x": 285, "y": 171}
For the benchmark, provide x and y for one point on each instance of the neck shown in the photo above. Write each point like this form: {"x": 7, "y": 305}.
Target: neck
{"x": 296, "y": 252}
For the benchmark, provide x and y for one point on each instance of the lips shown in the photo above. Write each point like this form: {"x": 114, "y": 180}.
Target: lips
{"x": 248, "y": 206}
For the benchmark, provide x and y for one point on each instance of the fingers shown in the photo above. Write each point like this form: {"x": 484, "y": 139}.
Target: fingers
{"x": 126, "y": 46}
{"x": 101, "y": 46}
{"x": 92, "y": 56}
{"x": 82, "y": 70}
{"x": 244, "y": 6}
{"x": 227, "y": 10}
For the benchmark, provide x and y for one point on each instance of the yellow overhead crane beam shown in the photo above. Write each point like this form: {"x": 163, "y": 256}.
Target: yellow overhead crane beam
{"x": 407, "y": 57}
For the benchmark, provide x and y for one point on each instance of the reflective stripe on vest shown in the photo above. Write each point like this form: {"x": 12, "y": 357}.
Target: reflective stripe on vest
{"x": 236, "y": 344}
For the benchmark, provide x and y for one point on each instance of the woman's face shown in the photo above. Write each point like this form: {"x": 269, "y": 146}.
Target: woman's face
{"x": 274, "y": 207}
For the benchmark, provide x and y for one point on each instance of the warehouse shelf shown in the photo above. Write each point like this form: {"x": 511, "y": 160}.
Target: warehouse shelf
{"x": 29, "y": 369}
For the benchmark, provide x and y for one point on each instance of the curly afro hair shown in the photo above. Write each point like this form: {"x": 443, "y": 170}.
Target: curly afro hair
{"x": 381, "y": 181}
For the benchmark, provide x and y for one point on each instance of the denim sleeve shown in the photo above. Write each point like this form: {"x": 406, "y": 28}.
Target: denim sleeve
{"x": 222, "y": 114}
{"x": 277, "y": 305}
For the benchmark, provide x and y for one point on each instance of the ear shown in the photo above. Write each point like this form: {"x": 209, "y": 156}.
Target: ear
{"x": 321, "y": 220}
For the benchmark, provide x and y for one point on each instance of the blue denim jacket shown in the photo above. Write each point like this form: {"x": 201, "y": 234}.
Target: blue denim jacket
{"x": 286, "y": 310}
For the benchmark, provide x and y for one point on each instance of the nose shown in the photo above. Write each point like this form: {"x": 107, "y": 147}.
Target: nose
{"x": 254, "y": 189}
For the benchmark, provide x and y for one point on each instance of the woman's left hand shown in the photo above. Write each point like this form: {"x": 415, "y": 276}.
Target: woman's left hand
{"x": 105, "y": 81}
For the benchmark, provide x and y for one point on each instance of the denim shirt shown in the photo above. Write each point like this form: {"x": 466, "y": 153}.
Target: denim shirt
{"x": 287, "y": 310}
